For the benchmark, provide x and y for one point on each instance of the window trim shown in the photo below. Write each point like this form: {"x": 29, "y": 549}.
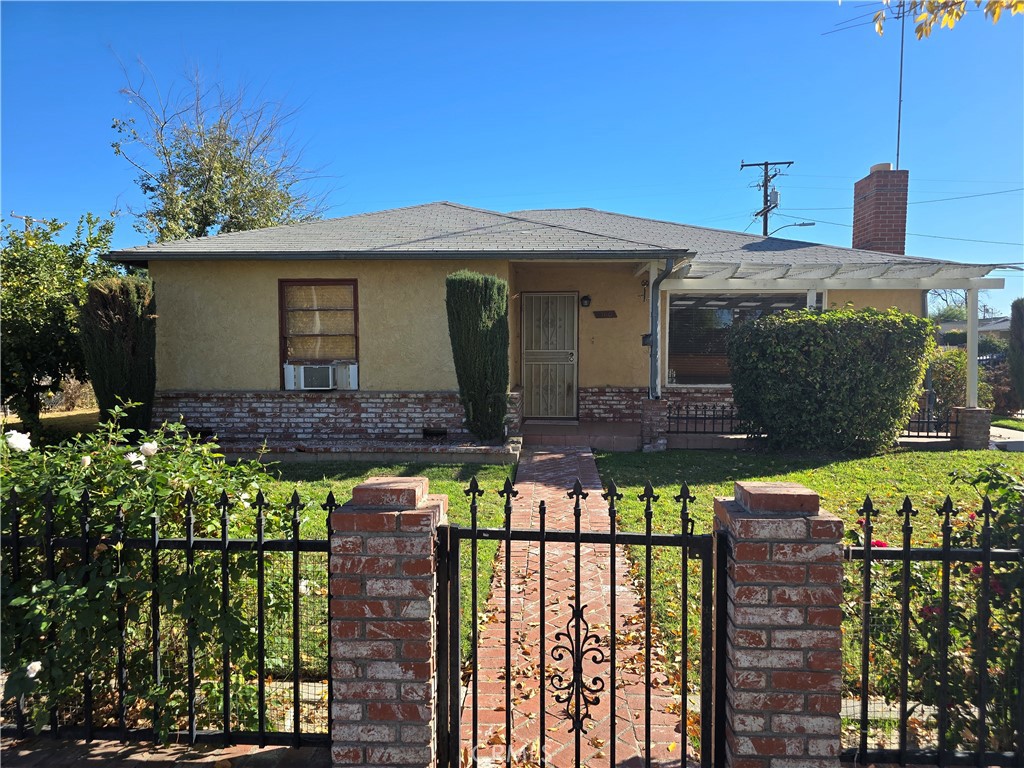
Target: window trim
{"x": 282, "y": 313}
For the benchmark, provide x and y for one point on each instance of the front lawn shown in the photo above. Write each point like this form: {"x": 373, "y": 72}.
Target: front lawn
{"x": 1008, "y": 423}
{"x": 841, "y": 482}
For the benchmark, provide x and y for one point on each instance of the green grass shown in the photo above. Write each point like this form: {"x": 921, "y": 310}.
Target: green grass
{"x": 1009, "y": 423}
{"x": 59, "y": 425}
{"x": 842, "y": 484}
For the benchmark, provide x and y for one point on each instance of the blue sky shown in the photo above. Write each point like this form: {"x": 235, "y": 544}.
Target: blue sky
{"x": 646, "y": 109}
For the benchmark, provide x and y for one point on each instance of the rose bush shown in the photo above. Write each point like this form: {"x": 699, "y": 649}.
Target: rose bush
{"x": 928, "y": 620}
{"x": 58, "y": 628}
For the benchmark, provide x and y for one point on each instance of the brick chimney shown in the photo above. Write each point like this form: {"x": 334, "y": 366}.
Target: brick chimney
{"x": 880, "y": 210}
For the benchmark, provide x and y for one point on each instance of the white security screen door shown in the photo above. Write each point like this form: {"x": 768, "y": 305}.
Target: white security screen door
{"x": 549, "y": 355}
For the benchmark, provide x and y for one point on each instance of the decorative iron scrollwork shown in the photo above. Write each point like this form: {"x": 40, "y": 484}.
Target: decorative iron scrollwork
{"x": 577, "y": 692}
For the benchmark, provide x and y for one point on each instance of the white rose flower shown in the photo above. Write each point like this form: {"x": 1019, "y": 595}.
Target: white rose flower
{"x": 33, "y": 669}
{"x": 304, "y": 587}
{"x": 19, "y": 441}
{"x": 138, "y": 461}
{"x": 86, "y": 461}
{"x": 148, "y": 449}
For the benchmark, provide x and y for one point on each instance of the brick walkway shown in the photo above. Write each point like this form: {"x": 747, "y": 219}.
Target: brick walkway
{"x": 547, "y": 475}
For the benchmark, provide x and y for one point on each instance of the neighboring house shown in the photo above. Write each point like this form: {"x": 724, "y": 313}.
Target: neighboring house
{"x": 995, "y": 327}
{"x": 611, "y": 317}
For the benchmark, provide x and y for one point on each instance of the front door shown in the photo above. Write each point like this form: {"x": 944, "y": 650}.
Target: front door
{"x": 549, "y": 355}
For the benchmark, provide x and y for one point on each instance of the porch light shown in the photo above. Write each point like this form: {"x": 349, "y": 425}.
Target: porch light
{"x": 584, "y": 301}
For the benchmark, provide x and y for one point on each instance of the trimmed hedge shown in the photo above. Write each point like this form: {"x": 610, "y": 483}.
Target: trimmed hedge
{"x": 478, "y": 328}
{"x": 117, "y": 328}
{"x": 842, "y": 380}
{"x": 1015, "y": 352}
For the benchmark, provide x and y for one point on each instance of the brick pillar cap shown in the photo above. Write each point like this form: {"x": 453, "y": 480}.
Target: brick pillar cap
{"x": 391, "y": 492}
{"x": 777, "y": 498}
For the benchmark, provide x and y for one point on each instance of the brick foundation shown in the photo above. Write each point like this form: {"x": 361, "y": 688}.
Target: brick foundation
{"x": 258, "y": 416}
{"x": 783, "y": 657}
{"x": 611, "y": 404}
{"x": 382, "y": 582}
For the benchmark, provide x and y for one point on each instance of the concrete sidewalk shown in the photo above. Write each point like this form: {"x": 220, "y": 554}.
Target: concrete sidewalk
{"x": 1006, "y": 439}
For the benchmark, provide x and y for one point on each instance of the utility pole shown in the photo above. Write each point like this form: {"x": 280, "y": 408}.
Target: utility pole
{"x": 771, "y": 170}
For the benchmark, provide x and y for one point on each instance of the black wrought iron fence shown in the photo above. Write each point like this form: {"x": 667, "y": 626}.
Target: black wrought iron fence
{"x": 933, "y": 643}
{"x": 721, "y": 419}
{"x": 715, "y": 419}
{"x": 250, "y": 666}
{"x": 578, "y": 678}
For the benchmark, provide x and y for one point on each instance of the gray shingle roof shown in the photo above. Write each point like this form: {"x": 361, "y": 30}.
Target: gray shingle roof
{"x": 449, "y": 230}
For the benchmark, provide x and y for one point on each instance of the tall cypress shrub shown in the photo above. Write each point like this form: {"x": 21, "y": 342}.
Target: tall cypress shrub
{"x": 478, "y": 328}
{"x": 1015, "y": 354}
{"x": 842, "y": 380}
{"x": 117, "y": 328}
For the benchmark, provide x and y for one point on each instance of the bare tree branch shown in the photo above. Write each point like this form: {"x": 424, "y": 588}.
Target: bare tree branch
{"x": 211, "y": 160}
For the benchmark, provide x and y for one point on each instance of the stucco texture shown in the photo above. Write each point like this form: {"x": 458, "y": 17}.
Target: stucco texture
{"x": 905, "y": 301}
{"x": 610, "y": 349}
{"x": 217, "y": 325}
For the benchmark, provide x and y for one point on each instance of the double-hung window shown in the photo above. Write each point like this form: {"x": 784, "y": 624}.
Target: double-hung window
{"x": 319, "y": 321}
{"x": 699, "y": 326}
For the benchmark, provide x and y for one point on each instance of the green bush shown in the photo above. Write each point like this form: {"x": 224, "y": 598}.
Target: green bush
{"x": 1015, "y": 352}
{"x": 478, "y": 328}
{"x": 117, "y": 327}
{"x": 992, "y": 345}
{"x": 948, "y": 372}
{"x": 1004, "y": 398}
{"x": 842, "y": 380}
{"x": 954, "y": 338}
{"x": 69, "y": 624}
{"x": 1004, "y": 486}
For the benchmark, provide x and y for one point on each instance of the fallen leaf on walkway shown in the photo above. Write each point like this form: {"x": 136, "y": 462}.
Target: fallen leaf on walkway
{"x": 672, "y": 747}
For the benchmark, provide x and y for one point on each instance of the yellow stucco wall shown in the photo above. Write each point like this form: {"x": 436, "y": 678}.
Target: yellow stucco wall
{"x": 610, "y": 352}
{"x": 905, "y": 301}
{"x": 217, "y": 326}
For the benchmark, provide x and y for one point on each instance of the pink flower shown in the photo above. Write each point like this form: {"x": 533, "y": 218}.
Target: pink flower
{"x": 878, "y": 543}
{"x": 971, "y": 516}
{"x": 860, "y": 521}
{"x": 997, "y": 586}
{"x": 929, "y": 611}
{"x": 976, "y": 570}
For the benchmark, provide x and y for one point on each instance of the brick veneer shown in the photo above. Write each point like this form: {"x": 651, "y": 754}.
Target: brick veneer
{"x": 973, "y": 428}
{"x": 613, "y": 404}
{"x": 880, "y": 210}
{"x": 382, "y": 572}
{"x": 255, "y": 416}
{"x": 783, "y": 655}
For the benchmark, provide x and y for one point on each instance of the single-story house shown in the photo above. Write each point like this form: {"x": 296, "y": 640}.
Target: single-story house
{"x": 337, "y": 329}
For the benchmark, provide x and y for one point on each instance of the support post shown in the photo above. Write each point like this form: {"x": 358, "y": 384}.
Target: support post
{"x": 783, "y": 654}
{"x": 972, "y": 347}
{"x": 382, "y": 619}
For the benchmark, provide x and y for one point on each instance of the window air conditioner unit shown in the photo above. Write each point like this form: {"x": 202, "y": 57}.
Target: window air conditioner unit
{"x": 322, "y": 377}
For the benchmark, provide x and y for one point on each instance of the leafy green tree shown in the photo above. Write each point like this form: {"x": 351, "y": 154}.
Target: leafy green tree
{"x": 211, "y": 162}
{"x": 43, "y": 285}
{"x": 478, "y": 328}
{"x": 118, "y": 330}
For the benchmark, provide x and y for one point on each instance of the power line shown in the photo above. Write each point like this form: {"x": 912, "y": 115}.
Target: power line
{"x": 909, "y": 234}
{"x": 771, "y": 170}
{"x": 920, "y": 202}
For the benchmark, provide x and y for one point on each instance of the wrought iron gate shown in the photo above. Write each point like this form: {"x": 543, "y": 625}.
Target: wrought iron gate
{"x": 599, "y": 658}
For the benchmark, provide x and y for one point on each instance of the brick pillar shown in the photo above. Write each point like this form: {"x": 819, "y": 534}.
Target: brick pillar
{"x": 653, "y": 424}
{"x": 973, "y": 426}
{"x": 783, "y": 660}
{"x": 382, "y": 623}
